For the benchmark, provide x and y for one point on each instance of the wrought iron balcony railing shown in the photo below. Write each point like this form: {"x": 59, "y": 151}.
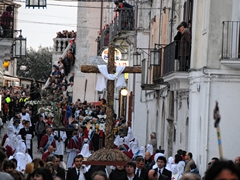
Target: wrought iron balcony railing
{"x": 123, "y": 22}
{"x": 177, "y": 56}
{"x": 103, "y": 40}
{"x": 230, "y": 40}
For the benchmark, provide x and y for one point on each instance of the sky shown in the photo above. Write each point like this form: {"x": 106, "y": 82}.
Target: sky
{"x": 39, "y": 26}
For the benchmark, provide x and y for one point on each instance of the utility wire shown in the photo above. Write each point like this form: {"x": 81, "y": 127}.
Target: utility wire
{"x": 92, "y": 7}
{"x": 55, "y": 24}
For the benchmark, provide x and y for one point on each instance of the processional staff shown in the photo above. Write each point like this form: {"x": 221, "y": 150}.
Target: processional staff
{"x": 217, "y": 118}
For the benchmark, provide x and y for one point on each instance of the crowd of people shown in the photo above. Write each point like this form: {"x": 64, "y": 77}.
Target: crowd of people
{"x": 145, "y": 163}
{"x": 66, "y": 34}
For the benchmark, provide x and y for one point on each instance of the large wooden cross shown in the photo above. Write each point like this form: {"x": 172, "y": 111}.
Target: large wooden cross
{"x": 109, "y": 135}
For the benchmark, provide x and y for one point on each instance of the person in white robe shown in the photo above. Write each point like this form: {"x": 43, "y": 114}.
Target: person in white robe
{"x": 60, "y": 138}
{"x": 22, "y": 158}
{"x": 25, "y": 116}
{"x": 72, "y": 149}
{"x": 135, "y": 148}
{"x": 142, "y": 151}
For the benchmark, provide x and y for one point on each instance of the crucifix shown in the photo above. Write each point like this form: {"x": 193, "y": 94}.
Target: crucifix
{"x": 109, "y": 135}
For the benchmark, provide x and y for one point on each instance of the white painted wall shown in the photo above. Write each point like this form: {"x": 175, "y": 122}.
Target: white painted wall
{"x": 87, "y": 32}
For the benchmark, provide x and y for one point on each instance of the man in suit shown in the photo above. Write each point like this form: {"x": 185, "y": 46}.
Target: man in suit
{"x": 140, "y": 170}
{"x": 27, "y": 134}
{"x": 60, "y": 171}
{"x": 153, "y": 175}
{"x": 161, "y": 163}
{"x": 130, "y": 169}
{"x": 190, "y": 161}
{"x": 79, "y": 172}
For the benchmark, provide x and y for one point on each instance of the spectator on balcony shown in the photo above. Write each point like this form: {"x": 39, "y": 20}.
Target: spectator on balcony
{"x": 184, "y": 48}
{"x": 177, "y": 38}
{"x": 74, "y": 34}
{"x": 106, "y": 35}
{"x": 122, "y": 4}
{"x": 59, "y": 35}
{"x": 6, "y": 19}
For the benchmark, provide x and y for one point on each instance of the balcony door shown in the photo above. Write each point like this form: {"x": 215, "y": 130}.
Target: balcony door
{"x": 188, "y": 13}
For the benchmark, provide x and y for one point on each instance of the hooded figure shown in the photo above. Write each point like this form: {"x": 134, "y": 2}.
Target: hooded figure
{"x": 22, "y": 158}
{"x": 117, "y": 141}
{"x": 175, "y": 174}
{"x": 170, "y": 163}
{"x": 135, "y": 148}
{"x": 142, "y": 151}
{"x": 129, "y": 137}
{"x": 8, "y": 134}
{"x": 150, "y": 149}
{"x": 20, "y": 143}
{"x": 85, "y": 151}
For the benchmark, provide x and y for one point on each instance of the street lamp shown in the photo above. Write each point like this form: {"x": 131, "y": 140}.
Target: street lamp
{"x": 19, "y": 46}
{"x": 36, "y": 3}
{"x": 124, "y": 92}
{"x": 154, "y": 57}
{"x": 23, "y": 68}
{"x": 136, "y": 59}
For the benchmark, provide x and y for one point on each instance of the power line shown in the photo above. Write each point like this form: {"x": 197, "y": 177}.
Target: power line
{"x": 69, "y": 18}
{"x": 93, "y": 7}
{"x": 56, "y": 24}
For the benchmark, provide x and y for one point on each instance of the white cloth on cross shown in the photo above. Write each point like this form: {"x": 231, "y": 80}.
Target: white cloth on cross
{"x": 101, "y": 78}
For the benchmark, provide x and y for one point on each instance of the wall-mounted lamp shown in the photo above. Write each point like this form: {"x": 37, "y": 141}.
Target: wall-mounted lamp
{"x": 124, "y": 92}
{"x": 19, "y": 46}
{"x": 155, "y": 55}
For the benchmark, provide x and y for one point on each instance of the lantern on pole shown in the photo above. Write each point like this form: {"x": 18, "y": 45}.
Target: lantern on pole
{"x": 19, "y": 46}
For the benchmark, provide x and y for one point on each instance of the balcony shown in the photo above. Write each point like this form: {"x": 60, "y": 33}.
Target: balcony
{"x": 60, "y": 44}
{"x": 174, "y": 73}
{"x": 123, "y": 24}
{"x": 103, "y": 40}
{"x": 230, "y": 44}
{"x": 152, "y": 75}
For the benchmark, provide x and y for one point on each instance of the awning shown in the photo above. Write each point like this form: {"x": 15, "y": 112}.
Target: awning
{"x": 10, "y": 78}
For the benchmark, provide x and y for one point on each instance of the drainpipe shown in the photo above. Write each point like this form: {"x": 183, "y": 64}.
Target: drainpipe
{"x": 171, "y": 21}
{"x": 160, "y": 20}
{"x": 101, "y": 15}
{"x": 207, "y": 115}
